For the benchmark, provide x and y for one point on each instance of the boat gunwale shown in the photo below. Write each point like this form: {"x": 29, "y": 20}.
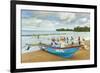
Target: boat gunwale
{"x": 64, "y": 47}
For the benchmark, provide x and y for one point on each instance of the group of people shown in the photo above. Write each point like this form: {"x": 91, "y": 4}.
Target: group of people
{"x": 63, "y": 42}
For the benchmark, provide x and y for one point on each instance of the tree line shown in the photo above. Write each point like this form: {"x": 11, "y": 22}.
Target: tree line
{"x": 78, "y": 29}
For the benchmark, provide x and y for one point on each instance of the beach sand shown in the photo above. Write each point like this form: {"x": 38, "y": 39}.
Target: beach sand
{"x": 43, "y": 56}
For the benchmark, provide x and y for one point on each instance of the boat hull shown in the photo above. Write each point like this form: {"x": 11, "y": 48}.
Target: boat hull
{"x": 66, "y": 53}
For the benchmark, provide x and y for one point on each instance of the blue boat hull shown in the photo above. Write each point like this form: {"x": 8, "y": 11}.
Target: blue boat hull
{"x": 66, "y": 53}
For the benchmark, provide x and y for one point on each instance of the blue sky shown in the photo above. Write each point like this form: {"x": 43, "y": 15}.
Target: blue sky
{"x": 51, "y": 20}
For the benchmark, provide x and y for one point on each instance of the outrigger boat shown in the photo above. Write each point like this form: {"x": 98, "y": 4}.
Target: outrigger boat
{"x": 67, "y": 52}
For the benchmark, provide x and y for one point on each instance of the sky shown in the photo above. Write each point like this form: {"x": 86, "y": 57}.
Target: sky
{"x": 52, "y": 20}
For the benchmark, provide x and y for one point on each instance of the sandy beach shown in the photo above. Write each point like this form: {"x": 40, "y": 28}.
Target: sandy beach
{"x": 43, "y": 56}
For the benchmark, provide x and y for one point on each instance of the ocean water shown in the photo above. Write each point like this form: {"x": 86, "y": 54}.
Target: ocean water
{"x": 34, "y": 37}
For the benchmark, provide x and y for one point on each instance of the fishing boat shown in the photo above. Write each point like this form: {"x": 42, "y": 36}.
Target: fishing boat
{"x": 67, "y": 52}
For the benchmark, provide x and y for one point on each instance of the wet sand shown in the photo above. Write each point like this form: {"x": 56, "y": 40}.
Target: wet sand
{"x": 43, "y": 56}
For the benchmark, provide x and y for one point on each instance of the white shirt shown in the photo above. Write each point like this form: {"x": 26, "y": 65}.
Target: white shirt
{"x": 63, "y": 44}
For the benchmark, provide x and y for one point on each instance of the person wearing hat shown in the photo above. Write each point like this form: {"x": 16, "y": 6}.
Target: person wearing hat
{"x": 62, "y": 42}
{"x": 53, "y": 42}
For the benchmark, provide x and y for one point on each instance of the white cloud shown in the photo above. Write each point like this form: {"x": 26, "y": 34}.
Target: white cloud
{"x": 30, "y": 21}
{"x": 82, "y": 25}
{"x": 84, "y": 19}
{"x": 47, "y": 25}
{"x": 67, "y": 16}
{"x": 37, "y": 24}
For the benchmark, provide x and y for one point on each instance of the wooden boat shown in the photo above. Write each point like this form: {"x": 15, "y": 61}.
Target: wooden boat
{"x": 67, "y": 52}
